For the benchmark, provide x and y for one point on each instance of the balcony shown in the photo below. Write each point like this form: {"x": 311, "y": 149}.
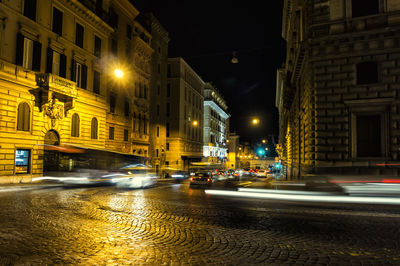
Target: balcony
{"x": 53, "y": 83}
{"x": 55, "y": 96}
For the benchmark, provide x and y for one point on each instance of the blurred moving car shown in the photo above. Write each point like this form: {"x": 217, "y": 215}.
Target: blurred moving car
{"x": 134, "y": 176}
{"x": 202, "y": 179}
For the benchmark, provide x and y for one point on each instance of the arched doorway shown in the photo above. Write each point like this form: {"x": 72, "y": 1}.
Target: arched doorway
{"x": 51, "y": 158}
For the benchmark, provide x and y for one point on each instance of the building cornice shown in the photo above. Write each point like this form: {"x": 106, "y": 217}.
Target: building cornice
{"x": 89, "y": 16}
{"x": 216, "y": 107}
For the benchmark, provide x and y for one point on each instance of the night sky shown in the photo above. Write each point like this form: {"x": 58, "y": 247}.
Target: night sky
{"x": 206, "y": 33}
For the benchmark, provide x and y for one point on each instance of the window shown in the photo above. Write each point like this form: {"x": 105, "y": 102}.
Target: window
{"x": 125, "y": 135}
{"x": 158, "y": 90}
{"x": 169, "y": 70}
{"x": 22, "y": 161}
{"x": 159, "y": 68}
{"x": 144, "y": 124}
{"x": 128, "y": 31}
{"x": 158, "y": 131}
{"x": 367, "y": 72}
{"x": 159, "y": 49}
{"x": 126, "y": 109}
{"x": 79, "y": 74}
{"x": 97, "y": 46}
{"x": 362, "y": 8}
{"x": 140, "y": 123}
{"x": 96, "y": 82}
{"x": 56, "y": 63}
{"x": 30, "y": 9}
{"x": 94, "y": 128}
{"x": 134, "y": 122}
{"x": 111, "y": 133}
{"x": 167, "y": 129}
{"x": 167, "y": 146}
{"x": 168, "y": 109}
{"x": 168, "y": 90}
{"x": 114, "y": 47}
{"x": 113, "y": 100}
{"x": 158, "y": 109}
{"x": 79, "y": 35}
{"x": 57, "y": 21}
{"x": 24, "y": 115}
{"x": 369, "y": 135}
{"x": 113, "y": 18}
{"x": 166, "y": 163}
{"x": 136, "y": 90}
{"x": 75, "y": 125}
{"x": 157, "y": 152}
{"x": 28, "y": 53}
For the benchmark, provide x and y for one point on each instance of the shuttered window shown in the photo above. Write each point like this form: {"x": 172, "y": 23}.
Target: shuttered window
{"x": 23, "y": 120}
{"x": 57, "y": 21}
{"x": 30, "y": 9}
{"x": 79, "y": 74}
{"x": 97, "y": 46}
{"x": 126, "y": 135}
{"x": 94, "y": 128}
{"x": 96, "y": 82}
{"x": 111, "y": 133}
{"x": 75, "y": 126}
{"x": 79, "y": 35}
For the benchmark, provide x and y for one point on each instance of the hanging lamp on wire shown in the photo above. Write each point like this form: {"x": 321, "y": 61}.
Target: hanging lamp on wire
{"x": 234, "y": 60}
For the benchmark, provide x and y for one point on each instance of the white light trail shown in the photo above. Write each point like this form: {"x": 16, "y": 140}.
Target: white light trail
{"x": 307, "y": 198}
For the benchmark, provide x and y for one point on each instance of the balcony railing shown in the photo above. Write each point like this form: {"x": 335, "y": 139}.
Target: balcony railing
{"x": 57, "y": 84}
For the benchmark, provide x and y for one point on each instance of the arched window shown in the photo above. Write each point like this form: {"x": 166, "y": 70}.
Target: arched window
{"x": 24, "y": 114}
{"x": 94, "y": 128}
{"x": 75, "y": 126}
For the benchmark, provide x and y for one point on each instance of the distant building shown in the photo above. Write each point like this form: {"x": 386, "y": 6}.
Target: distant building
{"x": 233, "y": 151}
{"x": 338, "y": 92}
{"x": 184, "y": 115}
{"x": 159, "y": 95}
{"x": 216, "y": 125}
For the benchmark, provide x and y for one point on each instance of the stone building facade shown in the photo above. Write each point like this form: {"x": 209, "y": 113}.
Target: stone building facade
{"x": 216, "y": 125}
{"x": 339, "y": 89}
{"x": 158, "y": 89}
{"x": 57, "y": 60}
{"x": 184, "y": 115}
{"x": 128, "y": 113}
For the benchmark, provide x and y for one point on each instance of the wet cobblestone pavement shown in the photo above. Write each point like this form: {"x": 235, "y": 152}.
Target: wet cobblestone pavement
{"x": 172, "y": 224}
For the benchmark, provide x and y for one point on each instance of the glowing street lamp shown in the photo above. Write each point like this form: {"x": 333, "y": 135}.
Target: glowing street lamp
{"x": 264, "y": 141}
{"x": 118, "y": 73}
{"x": 255, "y": 121}
{"x": 195, "y": 123}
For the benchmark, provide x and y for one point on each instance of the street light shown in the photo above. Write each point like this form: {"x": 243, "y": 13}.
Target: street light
{"x": 118, "y": 73}
{"x": 264, "y": 141}
{"x": 195, "y": 123}
{"x": 255, "y": 121}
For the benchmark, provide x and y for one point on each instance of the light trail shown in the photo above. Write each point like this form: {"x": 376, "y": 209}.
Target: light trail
{"x": 307, "y": 198}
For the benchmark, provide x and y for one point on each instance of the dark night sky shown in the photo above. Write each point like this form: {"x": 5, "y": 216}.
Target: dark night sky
{"x": 205, "y": 33}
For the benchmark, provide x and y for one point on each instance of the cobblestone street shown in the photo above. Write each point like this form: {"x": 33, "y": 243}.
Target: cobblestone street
{"x": 171, "y": 224}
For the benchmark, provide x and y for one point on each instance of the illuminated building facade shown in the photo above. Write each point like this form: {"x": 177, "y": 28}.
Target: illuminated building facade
{"x": 233, "y": 151}
{"x": 216, "y": 125}
{"x": 338, "y": 90}
{"x": 158, "y": 89}
{"x": 128, "y": 114}
{"x": 57, "y": 84}
{"x": 184, "y": 115}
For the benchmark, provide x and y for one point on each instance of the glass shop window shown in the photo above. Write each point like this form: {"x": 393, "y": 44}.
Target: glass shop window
{"x": 22, "y": 161}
